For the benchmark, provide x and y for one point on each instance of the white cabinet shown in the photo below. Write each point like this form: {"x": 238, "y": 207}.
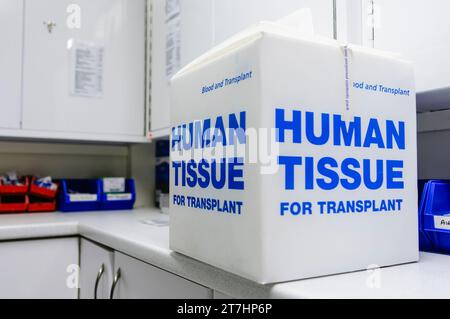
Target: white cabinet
{"x": 139, "y": 280}
{"x": 133, "y": 278}
{"x": 182, "y": 31}
{"x": 96, "y": 270}
{"x": 11, "y": 22}
{"x": 84, "y": 66}
{"x": 418, "y": 30}
{"x": 45, "y": 268}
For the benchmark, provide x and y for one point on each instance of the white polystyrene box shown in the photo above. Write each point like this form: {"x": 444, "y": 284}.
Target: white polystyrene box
{"x": 311, "y": 82}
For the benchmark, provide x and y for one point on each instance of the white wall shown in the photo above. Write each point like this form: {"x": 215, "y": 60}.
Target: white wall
{"x": 433, "y": 150}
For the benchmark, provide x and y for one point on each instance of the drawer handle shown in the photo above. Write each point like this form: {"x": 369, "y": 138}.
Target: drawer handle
{"x": 113, "y": 287}
{"x": 97, "y": 280}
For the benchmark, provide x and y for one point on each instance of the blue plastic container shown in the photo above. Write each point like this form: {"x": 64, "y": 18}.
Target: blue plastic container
{"x": 79, "y": 195}
{"x": 162, "y": 148}
{"x": 162, "y": 169}
{"x": 425, "y": 244}
{"x": 119, "y": 201}
{"x": 433, "y": 208}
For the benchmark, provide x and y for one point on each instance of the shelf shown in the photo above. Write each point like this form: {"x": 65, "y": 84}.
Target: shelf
{"x": 54, "y": 148}
{"x": 31, "y": 135}
{"x": 426, "y": 122}
{"x": 433, "y": 100}
{"x": 433, "y": 121}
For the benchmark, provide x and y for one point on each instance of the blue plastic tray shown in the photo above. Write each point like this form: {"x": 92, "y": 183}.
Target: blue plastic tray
{"x": 119, "y": 201}
{"x": 434, "y": 205}
{"x": 90, "y": 199}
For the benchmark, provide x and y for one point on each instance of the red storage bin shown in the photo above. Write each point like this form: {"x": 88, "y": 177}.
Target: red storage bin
{"x": 15, "y": 189}
{"x": 13, "y": 204}
{"x": 42, "y": 191}
{"x": 41, "y": 205}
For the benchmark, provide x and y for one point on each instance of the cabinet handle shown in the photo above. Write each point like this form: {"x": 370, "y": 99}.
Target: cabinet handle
{"x": 50, "y": 25}
{"x": 113, "y": 287}
{"x": 97, "y": 280}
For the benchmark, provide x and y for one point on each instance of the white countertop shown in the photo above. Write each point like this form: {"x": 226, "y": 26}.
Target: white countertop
{"x": 135, "y": 233}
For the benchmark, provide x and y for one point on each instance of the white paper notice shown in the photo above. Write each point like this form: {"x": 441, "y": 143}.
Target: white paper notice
{"x": 123, "y": 196}
{"x": 114, "y": 185}
{"x": 161, "y": 221}
{"x": 86, "y": 69}
{"x": 82, "y": 197}
{"x": 173, "y": 37}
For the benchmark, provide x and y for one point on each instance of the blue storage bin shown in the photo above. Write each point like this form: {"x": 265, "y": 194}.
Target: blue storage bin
{"x": 434, "y": 207}
{"x": 162, "y": 148}
{"x": 79, "y": 195}
{"x": 117, "y": 201}
{"x": 424, "y": 242}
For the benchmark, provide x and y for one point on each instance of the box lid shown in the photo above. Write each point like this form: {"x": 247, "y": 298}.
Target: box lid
{"x": 298, "y": 25}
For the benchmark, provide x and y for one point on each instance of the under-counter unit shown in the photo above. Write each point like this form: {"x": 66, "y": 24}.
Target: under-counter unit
{"x": 182, "y": 30}
{"x": 73, "y": 70}
{"x": 418, "y": 30}
{"x": 136, "y": 280}
{"x": 96, "y": 270}
{"x": 106, "y": 273}
{"x": 46, "y": 268}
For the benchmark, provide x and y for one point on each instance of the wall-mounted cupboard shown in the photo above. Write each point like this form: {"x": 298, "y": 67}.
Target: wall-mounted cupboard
{"x": 73, "y": 70}
{"x": 99, "y": 70}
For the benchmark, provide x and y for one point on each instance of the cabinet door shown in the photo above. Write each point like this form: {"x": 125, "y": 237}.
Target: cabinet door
{"x": 139, "y": 280}
{"x": 94, "y": 257}
{"x": 39, "y": 269}
{"x": 418, "y": 29}
{"x": 11, "y": 35}
{"x": 84, "y": 66}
